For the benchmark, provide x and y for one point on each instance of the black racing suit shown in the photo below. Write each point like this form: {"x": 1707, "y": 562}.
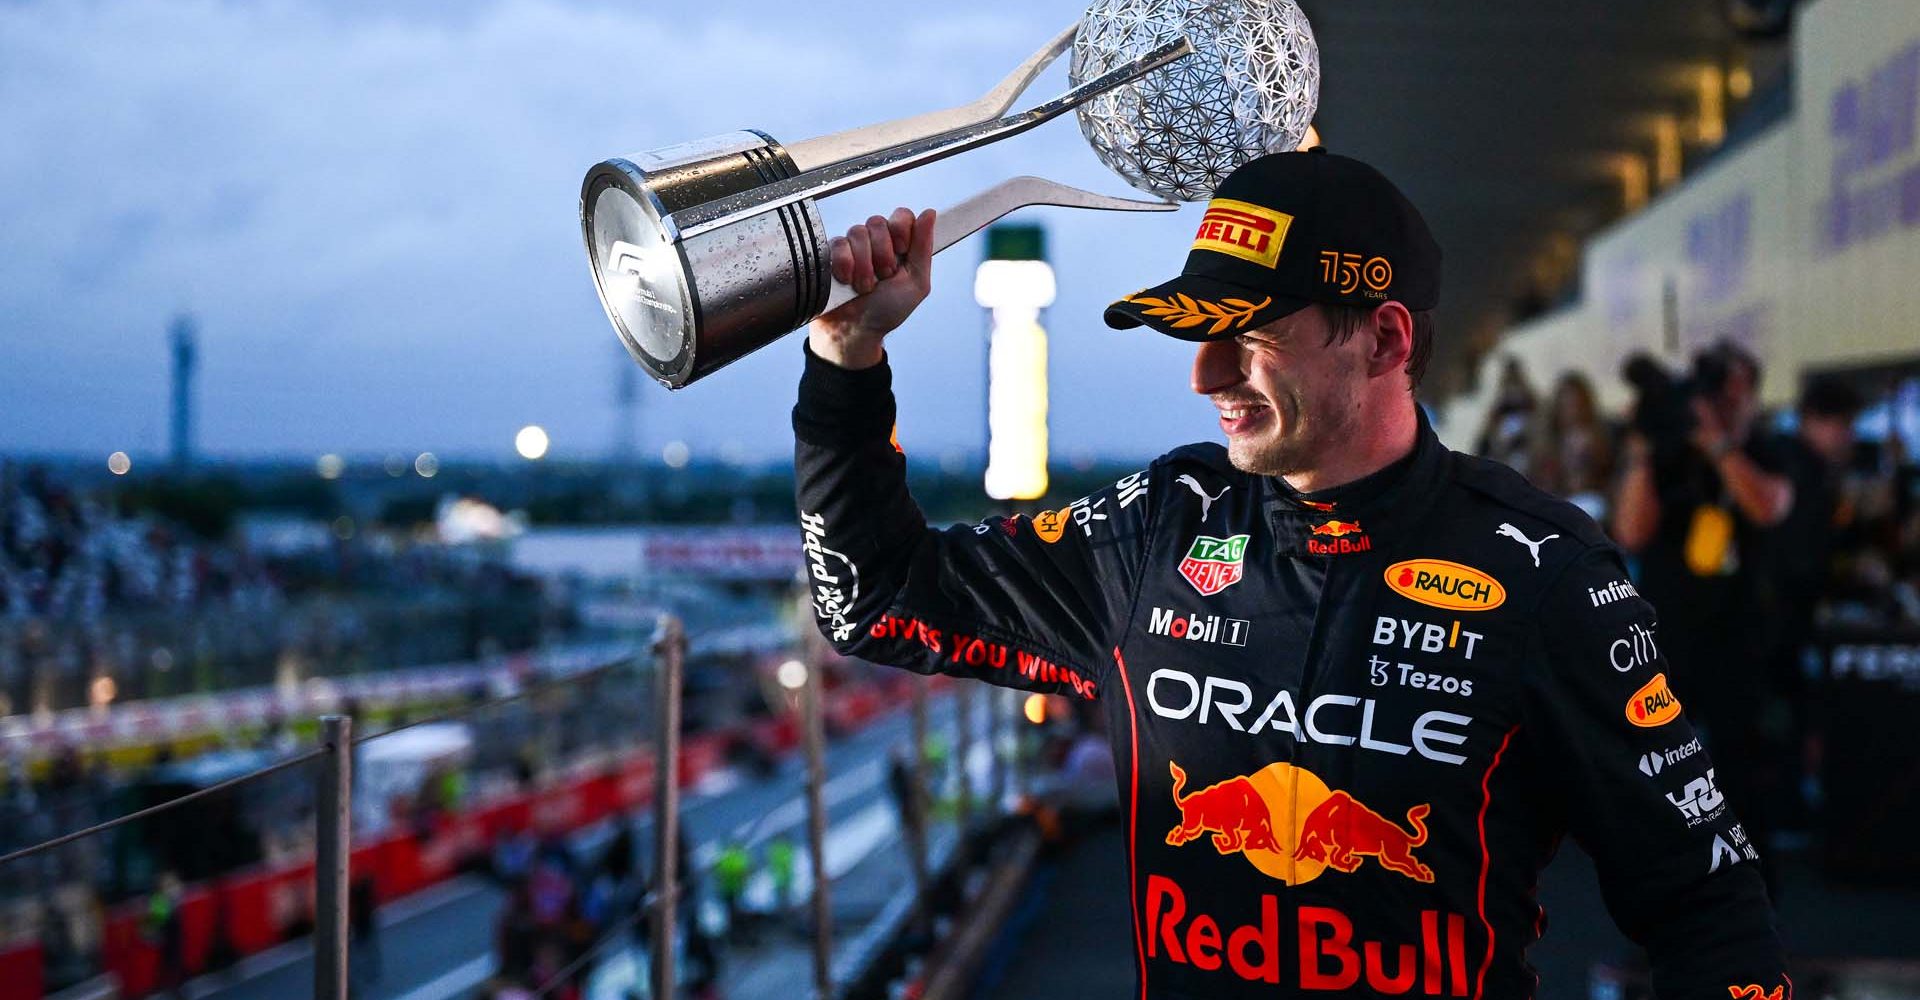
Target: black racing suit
{"x": 1350, "y": 728}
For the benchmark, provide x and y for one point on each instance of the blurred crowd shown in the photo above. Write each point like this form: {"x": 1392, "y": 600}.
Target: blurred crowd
{"x": 65, "y": 556}
{"x": 1756, "y": 536}
{"x": 88, "y": 591}
{"x": 1802, "y": 497}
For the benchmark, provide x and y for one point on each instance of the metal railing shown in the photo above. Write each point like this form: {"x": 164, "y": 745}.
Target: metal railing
{"x": 334, "y": 792}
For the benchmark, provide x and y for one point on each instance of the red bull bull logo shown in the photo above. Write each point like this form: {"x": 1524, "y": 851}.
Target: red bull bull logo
{"x": 1347, "y": 537}
{"x": 1292, "y": 827}
{"x": 1232, "y": 810}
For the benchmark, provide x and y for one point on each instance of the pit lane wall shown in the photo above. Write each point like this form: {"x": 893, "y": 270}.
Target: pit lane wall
{"x": 254, "y": 909}
{"x": 1803, "y": 244}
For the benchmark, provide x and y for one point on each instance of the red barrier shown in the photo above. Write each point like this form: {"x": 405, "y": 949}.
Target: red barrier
{"x": 399, "y": 870}
{"x": 125, "y": 953}
{"x": 777, "y": 735}
{"x": 249, "y": 913}
{"x": 259, "y": 908}
{"x": 21, "y": 971}
{"x": 197, "y": 925}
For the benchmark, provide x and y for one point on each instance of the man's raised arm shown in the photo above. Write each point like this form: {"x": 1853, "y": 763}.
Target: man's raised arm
{"x": 1025, "y": 602}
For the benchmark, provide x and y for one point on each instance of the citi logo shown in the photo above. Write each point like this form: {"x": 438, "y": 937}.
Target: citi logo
{"x": 1634, "y": 649}
{"x": 1618, "y": 590}
{"x": 1199, "y": 628}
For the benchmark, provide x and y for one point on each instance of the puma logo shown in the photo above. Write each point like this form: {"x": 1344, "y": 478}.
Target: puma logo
{"x": 1512, "y": 532}
{"x": 1206, "y": 502}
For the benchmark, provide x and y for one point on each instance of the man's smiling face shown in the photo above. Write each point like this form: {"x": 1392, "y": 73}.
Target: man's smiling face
{"x": 1288, "y": 393}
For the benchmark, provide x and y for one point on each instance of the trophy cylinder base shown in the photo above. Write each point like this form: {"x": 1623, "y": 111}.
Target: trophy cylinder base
{"x": 687, "y": 307}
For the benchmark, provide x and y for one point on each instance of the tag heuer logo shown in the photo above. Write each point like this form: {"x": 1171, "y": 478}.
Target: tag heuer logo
{"x": 1214, "y": 564}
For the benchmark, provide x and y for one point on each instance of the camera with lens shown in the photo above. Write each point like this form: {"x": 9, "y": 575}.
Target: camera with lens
{"x": 1663, "y": 401}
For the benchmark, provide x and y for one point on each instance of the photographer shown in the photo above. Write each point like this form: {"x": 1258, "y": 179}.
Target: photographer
{"x": 1703, "y": 493}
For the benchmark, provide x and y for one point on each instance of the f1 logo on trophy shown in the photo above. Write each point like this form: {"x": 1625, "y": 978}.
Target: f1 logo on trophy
{"x": 706, "y": 251}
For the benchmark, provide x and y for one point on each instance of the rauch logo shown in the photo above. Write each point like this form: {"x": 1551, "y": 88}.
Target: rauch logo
{"x": 1438, "y": 583}
{"x": 1653, "y": 705}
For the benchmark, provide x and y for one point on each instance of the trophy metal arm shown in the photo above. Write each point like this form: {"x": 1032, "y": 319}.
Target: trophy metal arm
{"x": 978, "y": 212}
{"x": 827, "y": 149}
{"x": 836, "y": 177}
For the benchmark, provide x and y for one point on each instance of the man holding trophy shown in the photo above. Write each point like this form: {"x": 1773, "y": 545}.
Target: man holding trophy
{"x": 1359, "y": 685}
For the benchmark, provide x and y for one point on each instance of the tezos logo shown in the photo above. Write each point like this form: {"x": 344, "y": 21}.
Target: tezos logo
{"x": 1199, "y": 628}
{"x": 1654, "y": 704}
{"x": 1441, "y": 584}
{"x": 1214, "y": 564}
{"x": 1381, "y": 673}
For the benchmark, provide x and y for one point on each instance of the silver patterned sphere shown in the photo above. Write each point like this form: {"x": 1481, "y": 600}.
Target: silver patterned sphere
{"x": 1249, "y": 88}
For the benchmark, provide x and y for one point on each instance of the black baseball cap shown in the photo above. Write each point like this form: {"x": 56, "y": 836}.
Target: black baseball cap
{"x": 1286, "y": 230}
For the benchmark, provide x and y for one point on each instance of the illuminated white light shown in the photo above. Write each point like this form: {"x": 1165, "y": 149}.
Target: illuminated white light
{"x": 330, "y": 466}
{"x": 1035, "y": 708}
{"x": 531, "y": 442}
{"x": 1016, "y": 409}
{"x": 119, "y": 464}
{"x": 1016, "y": 291}
{"x": 792, "y": 675}
{"x": 675, "y": 454}
{"x": 426, "y": 465}
{"x": 1014, "y": 284}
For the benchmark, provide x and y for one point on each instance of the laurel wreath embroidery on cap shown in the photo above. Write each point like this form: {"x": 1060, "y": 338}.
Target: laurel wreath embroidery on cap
{"x": 1187, "y": 311}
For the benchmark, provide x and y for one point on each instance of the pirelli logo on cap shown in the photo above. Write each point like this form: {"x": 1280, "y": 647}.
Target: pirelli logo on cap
{"x": 1245, "y": 230}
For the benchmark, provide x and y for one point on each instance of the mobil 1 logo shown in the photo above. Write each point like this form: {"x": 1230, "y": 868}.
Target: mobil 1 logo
{"x": 1195, "y": 627}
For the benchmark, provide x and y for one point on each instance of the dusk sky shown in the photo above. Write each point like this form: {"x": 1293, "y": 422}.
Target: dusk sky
{"x": 370, "y": 209}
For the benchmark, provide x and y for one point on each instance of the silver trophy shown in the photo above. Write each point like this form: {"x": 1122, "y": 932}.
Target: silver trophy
{"x": 1250, "y": 88}
{"x": 706, "y": 251}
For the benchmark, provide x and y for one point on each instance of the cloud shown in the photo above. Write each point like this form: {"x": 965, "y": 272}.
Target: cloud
{"x": 372, "y": 215}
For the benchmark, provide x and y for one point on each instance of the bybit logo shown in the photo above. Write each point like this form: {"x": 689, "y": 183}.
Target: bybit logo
{"x": 1424, "y": 636}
